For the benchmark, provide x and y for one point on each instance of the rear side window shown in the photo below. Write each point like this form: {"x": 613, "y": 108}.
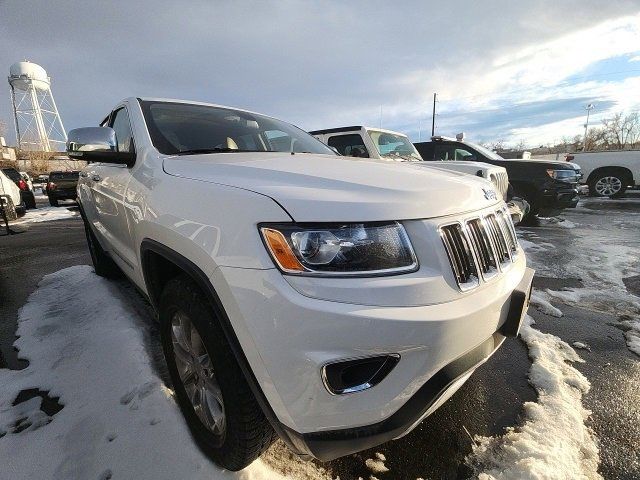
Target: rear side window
{"x": 443, "y": 152}
{"x": 425, "y": 149}
{"x": 350, "y": 145}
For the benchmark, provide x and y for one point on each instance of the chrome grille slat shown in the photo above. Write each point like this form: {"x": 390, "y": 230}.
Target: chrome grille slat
{"x": 480, "y": 247}
{"x": 497, "y": 238}
{"x": 508, "y": 230}
{"x": 460, "y": 255}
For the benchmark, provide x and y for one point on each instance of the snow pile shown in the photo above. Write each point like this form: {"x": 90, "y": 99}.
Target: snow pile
{"x": 376, "y": 465}
{"x": 540, "y": 300}
{"x": 553, "y": 442}
{"x": 86, "y": 346}
{"x": 632, "y": 334}
{"x": 581, "y": 346}
{"x": 45, "y": 214}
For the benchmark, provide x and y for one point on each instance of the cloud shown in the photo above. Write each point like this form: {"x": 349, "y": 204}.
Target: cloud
{"x": 319, "y": 64}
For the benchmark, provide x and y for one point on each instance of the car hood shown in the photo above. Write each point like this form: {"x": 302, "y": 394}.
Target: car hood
{"x": 326, "y": 188}
{"x": 464, "y": 165}
{"x": 548, "y": 163}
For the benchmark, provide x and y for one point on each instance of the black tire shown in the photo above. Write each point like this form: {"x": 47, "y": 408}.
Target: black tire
{"x": 10, "y": 209}
{"x": 30, "y": 201}
{"x": 103, "y": 265}
{"x": 247, "y": 433}
{"x": 612, "y": 178}
{"x": 53, "y": 202}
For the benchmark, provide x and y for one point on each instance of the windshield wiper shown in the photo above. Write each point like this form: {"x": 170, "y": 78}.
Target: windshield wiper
{"x": 195, "y": 151}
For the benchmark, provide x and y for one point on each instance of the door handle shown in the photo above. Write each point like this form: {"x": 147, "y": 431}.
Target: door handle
{"x": 96, "y": 177}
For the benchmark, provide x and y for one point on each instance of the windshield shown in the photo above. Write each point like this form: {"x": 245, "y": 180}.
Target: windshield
{"x": 394, "y": 146}
{"x": 12, "y": 174}
{"x": 484, "y": 151}
{"x": 183, "y": 128}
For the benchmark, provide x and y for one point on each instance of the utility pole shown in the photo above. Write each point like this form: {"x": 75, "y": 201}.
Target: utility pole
{"x": 433, "y": 118}
{"x": 588, "y": 108}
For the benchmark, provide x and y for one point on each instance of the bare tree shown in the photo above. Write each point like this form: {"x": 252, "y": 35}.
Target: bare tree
{"x": 521, "y": 145}
{"x": 620, "y": 131}
{"x": 497, "y": 146}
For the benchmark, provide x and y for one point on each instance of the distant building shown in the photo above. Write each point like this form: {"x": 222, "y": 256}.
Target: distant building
{"x": 6, "y": 153}
{"x": 515, "y": 154}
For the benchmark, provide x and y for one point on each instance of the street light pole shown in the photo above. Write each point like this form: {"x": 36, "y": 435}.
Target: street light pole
{"x": 433, "y": 118}
{"x": 588, "y": 108}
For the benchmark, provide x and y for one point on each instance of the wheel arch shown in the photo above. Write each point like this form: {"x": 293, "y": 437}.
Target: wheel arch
{"x": 159, "y": 260}
{"x": 624, "y": 172}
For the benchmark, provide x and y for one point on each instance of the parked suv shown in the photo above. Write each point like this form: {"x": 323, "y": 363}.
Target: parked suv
{"x": 62, "y": 186}
{"x": 549, "y": 187}
{"x": 295, "y": 294}
{"x": 12, "y": 202}
{"x": 26, "y": 193}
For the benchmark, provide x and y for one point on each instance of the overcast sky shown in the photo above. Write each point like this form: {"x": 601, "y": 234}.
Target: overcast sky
{"x": 506, "y": 70}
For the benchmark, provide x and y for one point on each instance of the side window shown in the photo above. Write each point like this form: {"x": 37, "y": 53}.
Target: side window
{"x": 122, "y": 126}
{"x": 462, "y": 154}
{"x": 443, "y": 152}
{"x": 349, "y": 145}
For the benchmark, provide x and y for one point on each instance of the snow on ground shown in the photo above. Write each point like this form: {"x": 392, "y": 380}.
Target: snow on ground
{"x": 632, "y": 334}
{"x": 542, "y": 448}
{"x": 601, "y": 265}
{"x": 45, "y": 214}
{"x": 376, "y": 465}
{"x": 540, "y": 300}
{"x": 86, "y": 346}
{"x": 581, "y": 346}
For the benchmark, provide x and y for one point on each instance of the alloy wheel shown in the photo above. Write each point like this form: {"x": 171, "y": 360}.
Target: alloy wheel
{"x": 607, "y": 186}
{"x": 196, "y": 373}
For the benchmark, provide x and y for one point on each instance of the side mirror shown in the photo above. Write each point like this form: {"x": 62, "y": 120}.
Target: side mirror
{"x": 97, "y": 144}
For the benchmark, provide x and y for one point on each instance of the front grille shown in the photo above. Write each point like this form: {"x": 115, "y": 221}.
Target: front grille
{"x": 500, "y": 180}
{"x": 481, "y": 246}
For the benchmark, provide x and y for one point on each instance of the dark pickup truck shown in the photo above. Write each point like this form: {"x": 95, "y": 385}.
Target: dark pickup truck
{"x": 62, "y": 186}
{"x": 548, "y": 186}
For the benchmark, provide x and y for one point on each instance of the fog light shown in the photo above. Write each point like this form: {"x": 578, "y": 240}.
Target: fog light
{"x": 350, "y": 376}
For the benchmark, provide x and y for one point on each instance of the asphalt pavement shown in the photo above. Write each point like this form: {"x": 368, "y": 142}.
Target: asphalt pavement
{"x": 492, "y": 399}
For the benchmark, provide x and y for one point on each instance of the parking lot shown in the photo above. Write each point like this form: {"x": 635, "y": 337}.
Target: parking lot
{"x": 113, "y": 391}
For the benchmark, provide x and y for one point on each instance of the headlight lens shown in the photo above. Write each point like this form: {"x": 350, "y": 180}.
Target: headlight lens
{"x": 569, "y": 176}
{"x": 340, "y": 249}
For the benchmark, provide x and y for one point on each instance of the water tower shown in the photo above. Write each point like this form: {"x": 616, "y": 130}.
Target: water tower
{"x": 38, "y": 123}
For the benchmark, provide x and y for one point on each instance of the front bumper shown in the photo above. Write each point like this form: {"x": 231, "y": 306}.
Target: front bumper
{"x": 66, "y": 194}
{"x": 558, "y": 196}
{"x": 287, "y": 338}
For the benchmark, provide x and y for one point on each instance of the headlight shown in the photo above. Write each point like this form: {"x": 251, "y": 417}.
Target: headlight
{"x": 569, "y": 176}
{"x": 340, "y": 249}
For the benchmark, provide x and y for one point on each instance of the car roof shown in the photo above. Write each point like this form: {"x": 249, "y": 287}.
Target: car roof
{"x": 189, "y": 102}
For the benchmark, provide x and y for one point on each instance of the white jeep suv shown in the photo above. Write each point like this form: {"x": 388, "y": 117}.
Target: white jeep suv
{"x": 296, "y": 295}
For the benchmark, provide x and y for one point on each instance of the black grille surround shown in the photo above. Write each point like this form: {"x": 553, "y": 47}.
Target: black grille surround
{"x": 480, "y": 247}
